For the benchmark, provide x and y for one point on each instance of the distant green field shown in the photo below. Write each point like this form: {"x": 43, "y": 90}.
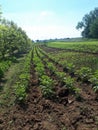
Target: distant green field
{"x": 84, "y": 46}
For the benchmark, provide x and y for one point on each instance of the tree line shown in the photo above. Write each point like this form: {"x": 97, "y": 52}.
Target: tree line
{"x": 12, "y": 38}
{"x": 89, "y": 24}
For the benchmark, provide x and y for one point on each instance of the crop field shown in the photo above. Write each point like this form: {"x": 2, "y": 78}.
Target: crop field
{"x": 79, "y": 59}
{"x": 56, "y": 90}
{"x": 82, "y": 46}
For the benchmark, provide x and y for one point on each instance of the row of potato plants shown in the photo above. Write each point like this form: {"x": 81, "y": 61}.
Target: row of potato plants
{"x": 66, "y": 80}
{"x": 45, "y": 82}
{"x": 83, "y": 74}
{"x": 22, "y": 83}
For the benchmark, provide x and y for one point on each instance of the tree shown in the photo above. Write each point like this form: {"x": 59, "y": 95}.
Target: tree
{"x": 89, "y": 24}
{"x": 12, "y": 39}
{"x": 94, "y": 29}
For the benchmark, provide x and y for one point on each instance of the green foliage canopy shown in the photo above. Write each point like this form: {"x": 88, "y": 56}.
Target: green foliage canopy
{"x": 12, "y": 38}
{"x": 89, "y": 24}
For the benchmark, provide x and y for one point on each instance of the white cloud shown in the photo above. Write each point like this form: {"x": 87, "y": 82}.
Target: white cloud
{"x": 47, "y": 32}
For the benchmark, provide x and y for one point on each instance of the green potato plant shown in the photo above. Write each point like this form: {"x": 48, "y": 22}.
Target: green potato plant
{"x": 84, "y": 73}
{"x": 46, "y": 84}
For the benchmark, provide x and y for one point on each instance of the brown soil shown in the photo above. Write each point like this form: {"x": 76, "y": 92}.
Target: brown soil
{"x": 51, "y": 49}
{"x": 65, "y": 113}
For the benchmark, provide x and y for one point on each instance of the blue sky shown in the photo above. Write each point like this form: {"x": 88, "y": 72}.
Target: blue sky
{"x": 45, "y": 19}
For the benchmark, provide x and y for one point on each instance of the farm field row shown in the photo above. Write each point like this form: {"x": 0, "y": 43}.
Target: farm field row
{"x": 83, "y": 46}
{"x": 50, "y": 95}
